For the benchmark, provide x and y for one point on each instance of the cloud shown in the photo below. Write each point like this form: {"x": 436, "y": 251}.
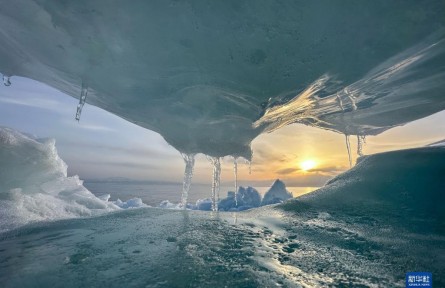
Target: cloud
{"x": 287, "y": 171}
{"x": 329, "y": 170}
{"x": 122, "y": 164}
{"x": 95, "y": 127}
{"x": 116, "y": 150}
{"x": 33, "y": 102}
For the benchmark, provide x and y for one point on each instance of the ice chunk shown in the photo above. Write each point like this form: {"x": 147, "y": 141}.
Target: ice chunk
{"x": 34, "y": 185}
{"x": 248, "y": 198}
{"x": 277, "y": 193}
{"x": 131, "y": 203}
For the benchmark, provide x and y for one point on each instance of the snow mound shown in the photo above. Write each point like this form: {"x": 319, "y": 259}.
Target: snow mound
{"x": 34, "y": 185}
{"x": 405, "y": 186}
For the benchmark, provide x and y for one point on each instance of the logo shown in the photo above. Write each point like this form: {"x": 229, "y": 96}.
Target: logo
{"x": 419, "y": 279}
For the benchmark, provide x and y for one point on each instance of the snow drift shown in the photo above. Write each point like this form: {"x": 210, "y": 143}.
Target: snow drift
{"x": 34, "y": 185}
{"x": 404, "y": 188}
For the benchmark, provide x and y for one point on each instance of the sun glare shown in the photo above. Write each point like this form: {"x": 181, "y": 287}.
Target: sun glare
{"x": 307, "y": 165}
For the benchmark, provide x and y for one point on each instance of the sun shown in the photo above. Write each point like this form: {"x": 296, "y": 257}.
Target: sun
{"x": 307, "y": 165}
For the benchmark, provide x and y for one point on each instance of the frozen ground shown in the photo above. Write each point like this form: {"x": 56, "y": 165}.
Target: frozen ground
{"x": 366, "y": 228}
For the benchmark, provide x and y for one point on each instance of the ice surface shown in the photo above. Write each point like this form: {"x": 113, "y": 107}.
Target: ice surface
{"x": 366, "y": 228}
{"x": 202, "y": 79}
{"x": 34, "y": 185}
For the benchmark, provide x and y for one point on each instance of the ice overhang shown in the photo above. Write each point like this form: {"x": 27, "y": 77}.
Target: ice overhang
{"x": 210, "y": 76}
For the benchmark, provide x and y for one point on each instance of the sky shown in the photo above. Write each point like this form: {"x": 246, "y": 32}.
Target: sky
{"x": 102, "y": 145}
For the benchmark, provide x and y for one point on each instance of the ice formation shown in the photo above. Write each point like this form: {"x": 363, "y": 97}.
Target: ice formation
{"x": 189, "y": 160}
{"x": 213, "y": 79}
{"x": 235, "y": 172}
{"x": 216, "y": 179}
{"x": 6, "y": 80}
{"x": 348, "y": 147}
{"x": 34, "y": 185}
{"x": 404, "y": 187}
{"x": 82, "y": 100}
{"x": 277, "y": 193}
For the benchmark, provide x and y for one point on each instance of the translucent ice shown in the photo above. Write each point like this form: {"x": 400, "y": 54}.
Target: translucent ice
{"x": 6, "y": 80}
{"x": 216, "y": 179}
{"x": 82, "y": 100}
{"x": 210, "y": 82}
{"x": 189, "y": 160}
{"x": 348, "y": 147}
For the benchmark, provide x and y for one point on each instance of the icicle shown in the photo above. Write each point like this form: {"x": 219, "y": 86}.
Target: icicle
{"x": 189, "y": 160}
{"x": 216, "y": 181}
{"x": 348, "y": 146}
{"x": 351, "y": 98}
{"x": 340, "y": 102}
{"x": 359, "y": 145}
{"x": 235, "y": 172}
{"x": 82, "y": 99}
{"x": 248, "y": 162}
{"x": 6, "y": 80}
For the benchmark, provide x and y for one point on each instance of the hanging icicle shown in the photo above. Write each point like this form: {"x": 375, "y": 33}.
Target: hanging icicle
{"x": 215, "y": 161}
{"x": 351, "y": 98}
{"x": 189, "y": 160}
{"x": 359, "y": 145}
{"x": 340, "y": 102}
{"x": 82, "y": 99}
{"x": 348, "y": 147}
{"x": 235, "y": 172}
{"x": 248, "y": 162}
{"x": 6, "y": 80}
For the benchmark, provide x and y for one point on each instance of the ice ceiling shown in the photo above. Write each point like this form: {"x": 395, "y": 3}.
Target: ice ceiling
{"x": 210, "y": 76}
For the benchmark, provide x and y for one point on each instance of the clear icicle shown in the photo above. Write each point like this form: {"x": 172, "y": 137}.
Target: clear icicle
{"x": 340, "y": 102}
{"x": 82, "y": 99}
{"x": 359, "y": 145}
{"x": 351, "y": 98}
{"x": 348, "y": 147}
{"x": 216, "y": 181}
{"x": 235, "y": 172}
{"x": 189, "y": 160}
{"x": 248, "y": 162}
{"x": 6, "y": 80}
{"x": 363, "y": 138}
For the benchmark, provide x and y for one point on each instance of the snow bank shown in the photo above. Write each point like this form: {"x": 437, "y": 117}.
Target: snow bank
{"x": 405, "y": 186}
{"x": 34, "y": 185}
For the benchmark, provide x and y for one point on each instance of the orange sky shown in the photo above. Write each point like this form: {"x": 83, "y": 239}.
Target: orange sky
{"x": 279, "y": 154}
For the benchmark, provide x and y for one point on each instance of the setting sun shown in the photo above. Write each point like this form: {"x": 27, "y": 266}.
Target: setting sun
{"x": 307, "y": 165}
